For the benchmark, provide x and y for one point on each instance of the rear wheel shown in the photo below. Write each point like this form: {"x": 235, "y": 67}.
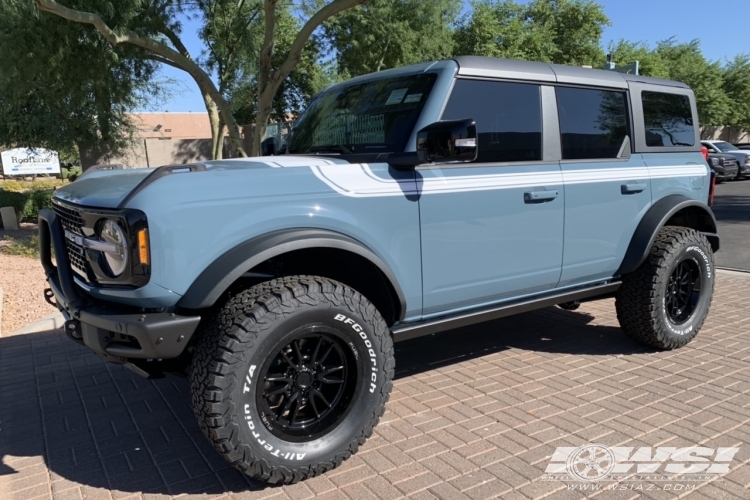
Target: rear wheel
{"x": 291, "y": 377}
{"x": 666, "y": 300}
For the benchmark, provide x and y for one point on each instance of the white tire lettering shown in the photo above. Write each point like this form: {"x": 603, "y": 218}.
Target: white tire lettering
{"x": 363, "y": 335}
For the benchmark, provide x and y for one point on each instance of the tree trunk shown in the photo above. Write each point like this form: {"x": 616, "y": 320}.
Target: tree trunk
{"x": 214, "y": 118}
{"x": 220, "y": 142}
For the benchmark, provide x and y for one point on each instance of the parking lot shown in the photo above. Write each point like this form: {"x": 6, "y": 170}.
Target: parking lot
{"x": 732, "y": 210}
{"x": 475, "y": 413}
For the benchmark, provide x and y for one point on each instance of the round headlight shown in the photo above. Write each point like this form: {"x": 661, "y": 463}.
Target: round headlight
{"x": 111, "y": 232}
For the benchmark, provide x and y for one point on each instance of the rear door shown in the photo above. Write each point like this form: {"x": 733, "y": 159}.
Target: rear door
{"x": 607, "y": 187}
{"x": 493, "y": 229}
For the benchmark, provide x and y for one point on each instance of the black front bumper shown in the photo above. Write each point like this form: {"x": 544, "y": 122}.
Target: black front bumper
{"x": 115, "y": 332}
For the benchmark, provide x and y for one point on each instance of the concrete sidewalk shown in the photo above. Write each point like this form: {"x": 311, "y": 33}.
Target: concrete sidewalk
{"x": 475, "y": 413}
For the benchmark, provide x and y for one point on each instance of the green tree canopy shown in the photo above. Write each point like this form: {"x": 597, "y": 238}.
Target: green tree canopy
{"x": 736, "y": 76}
{"x": 649, "y": 61}
{"x": 385, "y": 34}
{"x": 685, "y": 63}
{"x": 61, "y": 85}
{"x": 557, "y": 31}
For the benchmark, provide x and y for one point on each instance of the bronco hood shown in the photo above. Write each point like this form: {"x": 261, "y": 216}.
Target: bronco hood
{"x": 110, "y": 188}
{"x": 106, "y": 189}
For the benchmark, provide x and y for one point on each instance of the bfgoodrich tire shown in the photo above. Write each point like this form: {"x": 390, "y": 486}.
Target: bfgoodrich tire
{"x": 291, "y": 377}
{"x": 666, "y": 300}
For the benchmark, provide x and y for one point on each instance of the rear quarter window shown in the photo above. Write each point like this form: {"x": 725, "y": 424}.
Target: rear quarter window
{"x": 668, "y": 119}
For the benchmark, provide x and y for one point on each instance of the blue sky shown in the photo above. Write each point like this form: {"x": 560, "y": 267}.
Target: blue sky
{"x": 721, "y": 26}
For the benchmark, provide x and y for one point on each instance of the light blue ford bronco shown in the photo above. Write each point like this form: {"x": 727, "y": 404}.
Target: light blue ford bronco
{"x": 403, "y": 203}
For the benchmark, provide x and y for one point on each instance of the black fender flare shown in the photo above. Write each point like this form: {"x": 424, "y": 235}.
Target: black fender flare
{"x": 655, "y": 218}
{"x": 220, "y": 274}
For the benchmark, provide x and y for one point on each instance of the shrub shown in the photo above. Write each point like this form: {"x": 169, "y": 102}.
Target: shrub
{"x": 27, "y": 247}
{"x": 27, "y": 203}
{"x": 71, "y": 173}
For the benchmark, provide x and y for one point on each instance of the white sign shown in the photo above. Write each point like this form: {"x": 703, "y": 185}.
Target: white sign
{"x": 30, "y": 161}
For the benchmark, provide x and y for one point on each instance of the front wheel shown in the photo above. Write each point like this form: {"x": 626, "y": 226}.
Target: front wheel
{"x": 291, "y": 377}
{"x": 665, "y": 301}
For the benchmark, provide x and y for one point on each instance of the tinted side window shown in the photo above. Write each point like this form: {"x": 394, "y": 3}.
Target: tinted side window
{"x": 508, "y": 116}
{"x": 593, "y": 123}
{"x": 668, "y": 119}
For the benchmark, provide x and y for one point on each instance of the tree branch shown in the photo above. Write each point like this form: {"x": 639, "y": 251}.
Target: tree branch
{"x": 266, "y": 50}
{"x": 266, "y": 92}
{"x": 295, "y": 52}
{"x": 180, "y": 61}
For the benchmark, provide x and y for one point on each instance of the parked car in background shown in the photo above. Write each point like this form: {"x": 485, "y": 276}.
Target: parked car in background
{"x": 724, "y": 165}
{"x": 743, "y": 156}
{"x": 742, "y": 145}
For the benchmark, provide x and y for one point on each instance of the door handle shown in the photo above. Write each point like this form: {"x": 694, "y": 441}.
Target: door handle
{"x": 632, "y": 188}
{"x": 539, "y": 196}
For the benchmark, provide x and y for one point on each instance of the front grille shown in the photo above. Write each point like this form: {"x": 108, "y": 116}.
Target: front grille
{"x": 72, "y": 221}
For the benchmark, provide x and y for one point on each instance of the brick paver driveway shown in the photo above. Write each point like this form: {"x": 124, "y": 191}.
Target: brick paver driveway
{"x": 475, "y": 413}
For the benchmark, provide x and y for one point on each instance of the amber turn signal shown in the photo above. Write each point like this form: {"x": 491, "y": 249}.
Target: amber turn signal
{"x": 143, "y": 255}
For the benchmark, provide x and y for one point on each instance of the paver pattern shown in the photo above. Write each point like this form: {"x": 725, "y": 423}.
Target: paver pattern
{"x": 475, "y": 413}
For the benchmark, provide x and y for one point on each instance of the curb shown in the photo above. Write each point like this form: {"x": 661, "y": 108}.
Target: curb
{"x": 50, "y": 322}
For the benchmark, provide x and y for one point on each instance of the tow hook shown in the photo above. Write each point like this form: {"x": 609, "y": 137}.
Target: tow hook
{"x": 73, "y": 330}
{"x": 50, "y": 297}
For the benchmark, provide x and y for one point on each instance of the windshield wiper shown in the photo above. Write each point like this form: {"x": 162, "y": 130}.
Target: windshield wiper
{"x": 340, "y": 148}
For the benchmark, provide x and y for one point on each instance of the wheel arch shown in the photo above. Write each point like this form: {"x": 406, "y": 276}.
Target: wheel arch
{"x": 673, "y": 210}
{"x": 291, "y": 244}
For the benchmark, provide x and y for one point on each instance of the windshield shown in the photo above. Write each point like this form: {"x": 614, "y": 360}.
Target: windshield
{"x": 372, "y": 117}
{"x": 724, "y": 146}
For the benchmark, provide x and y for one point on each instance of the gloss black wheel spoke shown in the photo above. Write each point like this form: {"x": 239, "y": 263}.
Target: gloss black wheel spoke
{"x": 277, "y": 377}
{"x": 287, "y": 405}
{"x": 278, "y": 390}
{"x": 318, "y": 394}
{"x": 298, "y": 353}
{"x": 328, "y": 371}
{"x": 314, "y": 406}
{"x": 314, "y": 357}
{"x": 293, "y": 416}
{"x": 325, "y": 355}
{"x": 287, "y": 360}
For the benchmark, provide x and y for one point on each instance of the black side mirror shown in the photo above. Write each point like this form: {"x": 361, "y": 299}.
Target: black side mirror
{"x": 270, "y": 146}
{"x": 449, "y": 141}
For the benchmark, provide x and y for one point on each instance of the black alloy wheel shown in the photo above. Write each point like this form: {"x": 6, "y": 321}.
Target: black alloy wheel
{"x": 683, "y": 291}
{"x": 308, "y": 384}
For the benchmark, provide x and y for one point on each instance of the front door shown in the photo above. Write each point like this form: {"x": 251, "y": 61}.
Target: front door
{"x": 492, "y": 229}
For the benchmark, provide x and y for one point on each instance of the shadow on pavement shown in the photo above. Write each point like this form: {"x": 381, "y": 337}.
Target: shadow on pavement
{"x": 101, "y": 426}
{"x": 550, "y": 330}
